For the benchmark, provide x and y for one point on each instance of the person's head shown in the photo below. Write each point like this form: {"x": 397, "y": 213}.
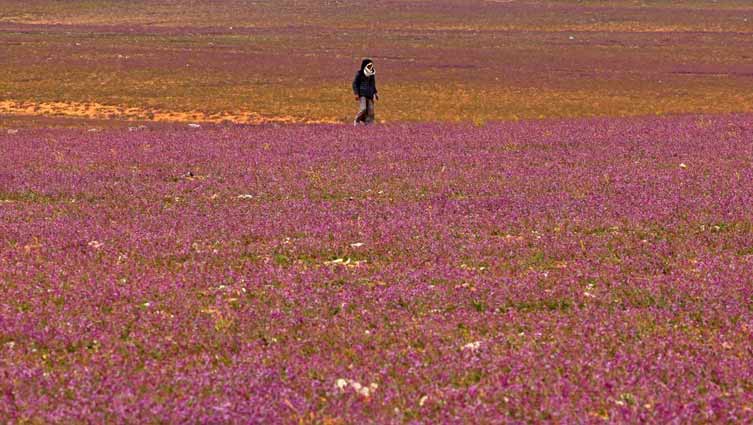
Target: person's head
{"x": 367, "y": 67}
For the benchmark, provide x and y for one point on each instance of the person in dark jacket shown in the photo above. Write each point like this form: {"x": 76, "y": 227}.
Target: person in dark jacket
{"x": 365, "y": 91}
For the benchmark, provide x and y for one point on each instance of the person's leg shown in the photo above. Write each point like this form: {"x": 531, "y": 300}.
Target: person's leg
{"x": 363, "y": 111}
{"x": 370, "y": 111}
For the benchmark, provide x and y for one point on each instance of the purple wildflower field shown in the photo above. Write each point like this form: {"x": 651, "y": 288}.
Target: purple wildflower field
{"x": 573, "y": 271}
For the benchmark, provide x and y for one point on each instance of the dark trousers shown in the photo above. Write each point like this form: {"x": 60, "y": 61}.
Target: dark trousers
{"x": 366, "y": 113}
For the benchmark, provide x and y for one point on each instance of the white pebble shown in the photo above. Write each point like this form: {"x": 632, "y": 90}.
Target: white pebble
{"x": 472, "y": 346}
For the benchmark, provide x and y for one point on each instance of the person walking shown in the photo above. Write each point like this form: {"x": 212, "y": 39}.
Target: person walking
{"x": 365, "y": 91}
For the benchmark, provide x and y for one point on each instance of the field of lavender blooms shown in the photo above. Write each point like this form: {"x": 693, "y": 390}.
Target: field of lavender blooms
{"x": 443, "y": 267}
{"x": 580, "y": 271}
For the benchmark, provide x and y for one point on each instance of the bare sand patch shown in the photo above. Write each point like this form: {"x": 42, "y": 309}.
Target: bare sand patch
{"x": 94, "y": 110}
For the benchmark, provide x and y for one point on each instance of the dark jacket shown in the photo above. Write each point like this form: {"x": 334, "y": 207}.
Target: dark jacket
{"x": 364, "y": 86}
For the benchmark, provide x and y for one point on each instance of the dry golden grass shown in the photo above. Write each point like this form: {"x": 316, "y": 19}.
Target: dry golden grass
{"x": 231, "y": 61}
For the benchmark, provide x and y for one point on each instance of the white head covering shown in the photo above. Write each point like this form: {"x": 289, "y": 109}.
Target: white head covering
{"x": 369, "y": 70}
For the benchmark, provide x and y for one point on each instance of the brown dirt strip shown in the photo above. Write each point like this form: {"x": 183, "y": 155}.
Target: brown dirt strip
{"x": 93, "y": 110}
